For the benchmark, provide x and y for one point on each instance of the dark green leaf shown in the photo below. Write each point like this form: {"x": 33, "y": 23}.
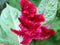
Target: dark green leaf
{"x": 36, "y": 2}
{"x": 14, "y": 3}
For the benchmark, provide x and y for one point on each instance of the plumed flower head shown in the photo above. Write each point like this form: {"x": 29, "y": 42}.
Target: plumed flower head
{"x": 28, "y": 8}
{"x": 30, "y": 25}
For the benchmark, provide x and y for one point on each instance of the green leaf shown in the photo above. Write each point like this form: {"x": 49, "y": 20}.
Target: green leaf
{"x": 48, "y": 41}
{"x": 55, "y": 24}
{"x": 49, "y": 8}
{"x": 58, "y": 35}
{"x": 36, "y": 2}
{"x": 9, "y": 19}
{"x": 58, "y": 6}
{"x": 14, "y": 3}
{"x": 58, "y": 11}
{"x": 4, "y": 39}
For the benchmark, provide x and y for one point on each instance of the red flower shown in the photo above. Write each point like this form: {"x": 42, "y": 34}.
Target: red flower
{"x": 28, "y": 9}
{"x": 31, "y": 24}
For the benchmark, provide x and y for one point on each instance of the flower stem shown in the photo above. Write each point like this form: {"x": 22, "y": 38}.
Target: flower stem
{"x": 34, "y": 41}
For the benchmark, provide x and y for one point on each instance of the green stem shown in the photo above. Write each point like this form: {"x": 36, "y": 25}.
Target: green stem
{"x": 34, "y": 41}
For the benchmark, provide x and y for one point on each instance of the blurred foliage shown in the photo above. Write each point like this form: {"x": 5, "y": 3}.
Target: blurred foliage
{"x": 49, "y": 8}
{"x": 58, "y": 35}
{"x": 4, "y": 39}
{"x": 2, "y": 4}
{"x": 49, "y": 41}
{"x": 3, "y": 1}
{"x": 36, "y": 2}
{"x": 58, "y": 11}
{"x": 14, "y": 3}
{"x": 9, "y": 20}
{"x": 55, "y": 24}
{"x": 10, "y": 12}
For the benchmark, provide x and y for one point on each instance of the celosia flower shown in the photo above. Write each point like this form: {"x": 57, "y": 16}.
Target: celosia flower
{"x": 28, "y": 9}
{"x": 31, "y": 28}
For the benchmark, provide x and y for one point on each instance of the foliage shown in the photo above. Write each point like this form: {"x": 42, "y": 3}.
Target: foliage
{"x": 10, "y": 12}
{"x": 58, "y": 12}
{"x": 9, "y": 20}
{"x": 14, "y": 3}
{"x": 2, "y": 4}
{"x": 49, "y": 8}
{"x": 36, "y": 2}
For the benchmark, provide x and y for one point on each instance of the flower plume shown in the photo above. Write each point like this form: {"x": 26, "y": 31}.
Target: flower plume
{"x": 31, "y": 28}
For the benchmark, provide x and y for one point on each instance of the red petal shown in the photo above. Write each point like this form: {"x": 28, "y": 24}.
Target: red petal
{"x": 39, "y": 18}
{"x": 52, "y": 32}
{"x": 15, "y": 31}
{"x": 26, "y": 40}
{"x": 46, "y": 32}
{"x": 24, "y": 4}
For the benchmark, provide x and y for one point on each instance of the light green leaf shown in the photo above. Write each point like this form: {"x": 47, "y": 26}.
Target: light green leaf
{"x": 9, "y": 19}
{"x": 4, "y": 39}
{"x": 55, "y": 24}
{"x": 49, "y": 8}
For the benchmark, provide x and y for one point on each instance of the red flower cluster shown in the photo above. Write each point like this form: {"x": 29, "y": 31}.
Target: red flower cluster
{"x": 31, "y": 24}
